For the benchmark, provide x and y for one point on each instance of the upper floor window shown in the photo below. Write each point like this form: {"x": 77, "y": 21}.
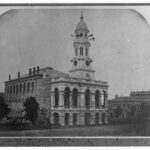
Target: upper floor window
{"x": 28, "y": 87}
{"x": 10, "y": 89}
{"x": 14, "y": 89}
{"x": 20, "y": 88}
{"x": 81, "y": 51}
{"x": 24, "y": 87}
{"x": 32, "y": 84}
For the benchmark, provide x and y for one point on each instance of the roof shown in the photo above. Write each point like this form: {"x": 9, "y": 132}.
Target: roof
{"x": 81, "y": 25}
{"x": 131, "y": 98}
{"x": 49, "y": 72}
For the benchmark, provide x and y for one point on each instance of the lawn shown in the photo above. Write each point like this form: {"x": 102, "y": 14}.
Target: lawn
{"x": 103, "y": 130}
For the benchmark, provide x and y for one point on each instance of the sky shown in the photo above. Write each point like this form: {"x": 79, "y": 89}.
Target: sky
{"x": 41, "y": 37}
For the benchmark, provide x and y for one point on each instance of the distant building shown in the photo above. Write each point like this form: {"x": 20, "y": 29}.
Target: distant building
{"x": 127, "y": 102}
{"x": 67, "y": 99}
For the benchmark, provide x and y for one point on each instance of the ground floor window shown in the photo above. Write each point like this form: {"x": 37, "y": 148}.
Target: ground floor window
{"x": 56, "y": 118}
{"x": 87, "y": 118}
{"x": 97, "y": 118}
{"x": 75, "y": 117}
{"x": 67, "y": 119}
{"x": 103, "y": 117}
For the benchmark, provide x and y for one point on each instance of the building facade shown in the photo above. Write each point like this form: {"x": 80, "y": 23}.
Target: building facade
{"x": 126, "y": 103}
{"x": 75, "y": 98}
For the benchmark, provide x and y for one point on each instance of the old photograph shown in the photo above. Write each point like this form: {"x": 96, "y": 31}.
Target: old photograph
{"x": 74, "y": 74}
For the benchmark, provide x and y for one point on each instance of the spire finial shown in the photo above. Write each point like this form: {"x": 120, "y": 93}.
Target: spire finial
{"x": 81, "y": 15}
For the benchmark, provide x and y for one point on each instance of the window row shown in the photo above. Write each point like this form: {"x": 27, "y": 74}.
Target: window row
{"x": 87, "y": 118}
{"x": 80, "y": 35}
{"x": 100, "y": 98}
{"x": 20, "y": 88}
{"x": 81, "y": 52}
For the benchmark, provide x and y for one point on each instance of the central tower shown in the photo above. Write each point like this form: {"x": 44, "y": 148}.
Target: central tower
{"x": 82, "y": 63}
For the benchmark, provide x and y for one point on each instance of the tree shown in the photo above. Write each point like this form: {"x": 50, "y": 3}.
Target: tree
{"x": 4, "y": 109}
{"x": 31, "y": 109}
{"x": 118, "y": 111}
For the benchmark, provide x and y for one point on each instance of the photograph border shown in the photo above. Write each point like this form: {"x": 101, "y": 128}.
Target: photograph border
{"x": 74, "y": 140}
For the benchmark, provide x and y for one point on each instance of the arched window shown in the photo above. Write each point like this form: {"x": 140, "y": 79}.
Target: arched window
{"x": 97, "y": 98}
{"x": 67, "y": 97}
{"x": 75, "y": 97}
{"x": 87, "y": 98}
{"x": 81, "y": 51}
{"x": 56, "y": 92}
{"x": 75, "y": 119}
{"x": 76, "y": 51}
{"x": 87, "y": 118}
{"x": 28, "y": 87}
{"x": 67, "y": 119}
{"x": 104, "y": 98}
{"x": 20, "y": 88}
{"x": 32, "y": 86}
{"x": 86, "y": 51}
{"x": 24, "y": 87}
{"x": 56, "y": 118}
{"x": 97, "y": 118}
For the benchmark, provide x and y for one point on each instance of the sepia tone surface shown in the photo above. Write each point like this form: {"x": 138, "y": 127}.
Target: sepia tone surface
{"x": 109, "y": 53}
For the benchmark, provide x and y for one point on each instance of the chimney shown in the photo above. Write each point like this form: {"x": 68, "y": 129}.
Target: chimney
{"x": 9, "y": 76}
{"x": 116, "y": 96}
{"x": 30, "y": 71}
{"x": 18, "y": 74}
{"x": 34, "y": 70}
{"x": 38, "y": 68}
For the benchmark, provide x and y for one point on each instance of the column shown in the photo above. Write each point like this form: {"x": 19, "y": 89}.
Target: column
{"x": 61, "y": 119}
{"x": 52, "y": 100}
{"x": 100, "y": 118}
{"x": 70, "y": 99}
{"x": 82, "y": 101}
{"x": 81, "y": 118}
{"x": 61, "y": 99}
{"x": 92, "y": 118}
{"x": 92, "y": 100}
{"x": 78, "y": 121}
{"x": 70, "y": 119}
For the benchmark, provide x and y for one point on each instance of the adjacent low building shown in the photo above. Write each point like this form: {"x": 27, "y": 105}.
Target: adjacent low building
{"x": 126, "y": 103}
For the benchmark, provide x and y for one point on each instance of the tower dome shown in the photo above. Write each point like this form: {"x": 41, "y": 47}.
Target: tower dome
{"x": 81, "y": 25}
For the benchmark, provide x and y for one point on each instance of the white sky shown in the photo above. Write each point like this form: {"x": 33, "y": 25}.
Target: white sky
{"x": 121, "y": 51}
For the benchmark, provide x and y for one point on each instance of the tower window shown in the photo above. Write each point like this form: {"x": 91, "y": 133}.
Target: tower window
{"x": 76, "y": 51}
{"x": 81, "y": 34}
{"x": 86, "y": 51}
{"x": 81, "y": 51}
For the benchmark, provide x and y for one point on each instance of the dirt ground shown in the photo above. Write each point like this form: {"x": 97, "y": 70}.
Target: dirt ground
{"x": 105, "y": 135}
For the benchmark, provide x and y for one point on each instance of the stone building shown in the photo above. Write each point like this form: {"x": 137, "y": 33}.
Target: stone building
{"x": 75, "y": 98}
{"x": 135, "y": 100}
